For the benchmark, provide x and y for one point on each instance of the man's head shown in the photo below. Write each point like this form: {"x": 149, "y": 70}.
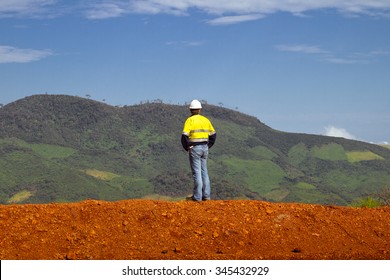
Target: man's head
{"x": 195, "y": 107}
{"x": 195, "y": 104}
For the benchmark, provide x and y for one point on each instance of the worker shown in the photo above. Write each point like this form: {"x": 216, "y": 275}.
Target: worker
{"x": 198, "y": 136}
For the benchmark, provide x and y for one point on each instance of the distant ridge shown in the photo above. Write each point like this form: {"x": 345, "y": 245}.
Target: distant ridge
{"x": 58, "y": 148}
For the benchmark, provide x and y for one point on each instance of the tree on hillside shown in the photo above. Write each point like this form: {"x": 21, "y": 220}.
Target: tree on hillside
{"x": 383, "y": 196}
{"x": 380, "y": 198}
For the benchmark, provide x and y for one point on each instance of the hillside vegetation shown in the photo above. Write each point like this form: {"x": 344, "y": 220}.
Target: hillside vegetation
{"x": 59, "y": 148}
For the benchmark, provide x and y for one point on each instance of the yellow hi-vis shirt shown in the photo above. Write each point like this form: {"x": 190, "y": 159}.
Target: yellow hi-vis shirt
{"x": 198, "y": 128}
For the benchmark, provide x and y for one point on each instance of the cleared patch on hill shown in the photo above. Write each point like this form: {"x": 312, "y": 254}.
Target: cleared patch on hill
{"x": 356, "y": 156}
{"x": 102, "y": 175}
{"x": 332, "y": 152}
{"x": 20, "y": 197}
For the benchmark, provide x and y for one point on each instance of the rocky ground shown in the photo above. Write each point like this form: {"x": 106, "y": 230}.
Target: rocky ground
{"x": 146, "y": 229}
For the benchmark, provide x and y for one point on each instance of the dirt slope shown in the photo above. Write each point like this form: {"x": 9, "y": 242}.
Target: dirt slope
{"x": 145, "y": 229}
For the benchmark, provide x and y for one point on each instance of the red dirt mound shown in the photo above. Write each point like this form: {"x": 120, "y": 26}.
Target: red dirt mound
{"x": 144, "y": 229}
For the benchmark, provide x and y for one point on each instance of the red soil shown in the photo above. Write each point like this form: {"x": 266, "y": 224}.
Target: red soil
{"x": 145, "y": 229}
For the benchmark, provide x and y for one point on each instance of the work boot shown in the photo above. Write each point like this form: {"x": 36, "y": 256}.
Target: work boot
{"x": 191, "y": 198}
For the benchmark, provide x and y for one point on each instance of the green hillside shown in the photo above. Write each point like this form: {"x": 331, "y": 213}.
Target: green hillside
{"x": 57, "y": 148}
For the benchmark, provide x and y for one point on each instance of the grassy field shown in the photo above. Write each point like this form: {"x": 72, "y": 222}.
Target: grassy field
{"x": 356, "y": 156}
{"x": 20, "y": 197}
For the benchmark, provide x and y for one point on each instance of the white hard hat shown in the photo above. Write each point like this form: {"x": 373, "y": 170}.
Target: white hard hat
{"x": 195, "y": 104}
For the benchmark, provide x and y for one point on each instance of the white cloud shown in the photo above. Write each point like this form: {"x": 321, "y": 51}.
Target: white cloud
{"x": 379, "y": 53}
{"x": 224, "y": 10}
{"x": 234, "y": 19}
{"x": 344, "y": 60}
{"x": 185, "y": 43}
{"x": 175, "y": 7}
{"x": 29, "y": 8}
{"x": 14, "y": 55}
{"x": 301, "y": 48}
{"x": 266, "y": 6}
{"x": 106, "y": 10}
{"x": 329, "y": 57}
{"x": 338, "y": 132}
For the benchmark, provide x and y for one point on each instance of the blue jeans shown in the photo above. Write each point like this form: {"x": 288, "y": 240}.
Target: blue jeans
{"x": 198, "y": 162}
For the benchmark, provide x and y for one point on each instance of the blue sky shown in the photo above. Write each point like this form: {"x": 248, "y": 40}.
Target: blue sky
{"x": 320, "y": 67}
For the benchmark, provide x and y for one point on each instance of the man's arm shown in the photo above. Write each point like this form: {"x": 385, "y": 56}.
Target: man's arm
{"x": 212, "y": 138}
{"x": 185, "y": 142}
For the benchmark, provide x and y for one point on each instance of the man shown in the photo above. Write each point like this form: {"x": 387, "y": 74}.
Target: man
{"x": 197, "y": 137}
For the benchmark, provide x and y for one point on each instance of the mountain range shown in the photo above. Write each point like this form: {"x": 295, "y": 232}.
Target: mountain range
{"x": 62, "y": 148}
